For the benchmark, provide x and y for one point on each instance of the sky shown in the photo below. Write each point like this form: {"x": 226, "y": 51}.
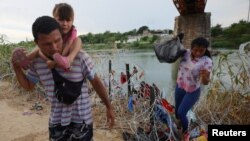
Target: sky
{"x": 98, "y": 16}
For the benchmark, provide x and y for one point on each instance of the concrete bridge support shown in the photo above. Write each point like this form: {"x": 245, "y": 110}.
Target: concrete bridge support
{"x": 193, "y": 25}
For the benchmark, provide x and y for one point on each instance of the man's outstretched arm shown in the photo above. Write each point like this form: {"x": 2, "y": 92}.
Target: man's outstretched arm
{"x": 101, "y": 91}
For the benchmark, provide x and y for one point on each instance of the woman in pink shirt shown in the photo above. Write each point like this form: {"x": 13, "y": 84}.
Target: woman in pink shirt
{"x": 194, "y": 70}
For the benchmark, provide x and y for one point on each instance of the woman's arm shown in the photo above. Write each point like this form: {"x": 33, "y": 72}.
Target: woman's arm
{"x": 204, "y": 76}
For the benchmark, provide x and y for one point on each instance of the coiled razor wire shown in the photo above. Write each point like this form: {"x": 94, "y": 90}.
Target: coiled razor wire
{"x": 144, "y": 116}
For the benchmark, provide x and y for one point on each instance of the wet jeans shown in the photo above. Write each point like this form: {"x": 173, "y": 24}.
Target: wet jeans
{"x": 184, "y": 101}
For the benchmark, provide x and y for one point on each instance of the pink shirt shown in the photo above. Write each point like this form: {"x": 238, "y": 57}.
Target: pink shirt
{"x": 188, "y": 73}
{"x": 71, "y": 35}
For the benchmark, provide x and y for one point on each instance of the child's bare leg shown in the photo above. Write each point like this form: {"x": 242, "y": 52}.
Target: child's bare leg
{"x": 51, "y": 64}
{"x": 33, "y": 54}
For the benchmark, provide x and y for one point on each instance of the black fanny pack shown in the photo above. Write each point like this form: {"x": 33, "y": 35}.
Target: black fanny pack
{"x": 66, "y": 91}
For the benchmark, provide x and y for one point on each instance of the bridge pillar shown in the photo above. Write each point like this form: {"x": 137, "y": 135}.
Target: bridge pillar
{"x": 193, "y": 25}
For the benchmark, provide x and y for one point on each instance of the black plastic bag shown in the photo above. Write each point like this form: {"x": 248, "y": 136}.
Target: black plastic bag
{"x": 169, "y": 51}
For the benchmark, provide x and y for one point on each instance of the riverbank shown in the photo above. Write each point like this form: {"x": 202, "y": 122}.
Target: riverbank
{"x": 22, "y": 120}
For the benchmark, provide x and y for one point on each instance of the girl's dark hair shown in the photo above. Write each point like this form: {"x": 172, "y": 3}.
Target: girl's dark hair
{"x": 64, "y": 11}
{"x": 44, "y": 25}
{"x": 201, "y": 42}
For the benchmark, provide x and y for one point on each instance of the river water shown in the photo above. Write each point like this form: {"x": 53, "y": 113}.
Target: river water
{"x": 154, "y": 71}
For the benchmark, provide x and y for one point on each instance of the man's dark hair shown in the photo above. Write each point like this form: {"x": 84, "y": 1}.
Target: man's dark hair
{"x": 201, "y": 42}
{"x": 44, "y": 25}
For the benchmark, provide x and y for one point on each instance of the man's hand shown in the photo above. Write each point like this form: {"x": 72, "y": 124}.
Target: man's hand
{"x": 110, "y": 117}
{"x": 102, "y": 92}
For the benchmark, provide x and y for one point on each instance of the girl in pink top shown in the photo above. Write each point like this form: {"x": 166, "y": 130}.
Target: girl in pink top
{"x": 64, "y": 14}
{"x": 194, "y": 70}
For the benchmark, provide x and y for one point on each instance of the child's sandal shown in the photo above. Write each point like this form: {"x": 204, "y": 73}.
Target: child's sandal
{"x": 21, "y": 58}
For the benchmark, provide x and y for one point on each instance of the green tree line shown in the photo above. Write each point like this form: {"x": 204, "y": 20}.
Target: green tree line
{"x": 232, "y": 36}
{"x": 110, "y": 39}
